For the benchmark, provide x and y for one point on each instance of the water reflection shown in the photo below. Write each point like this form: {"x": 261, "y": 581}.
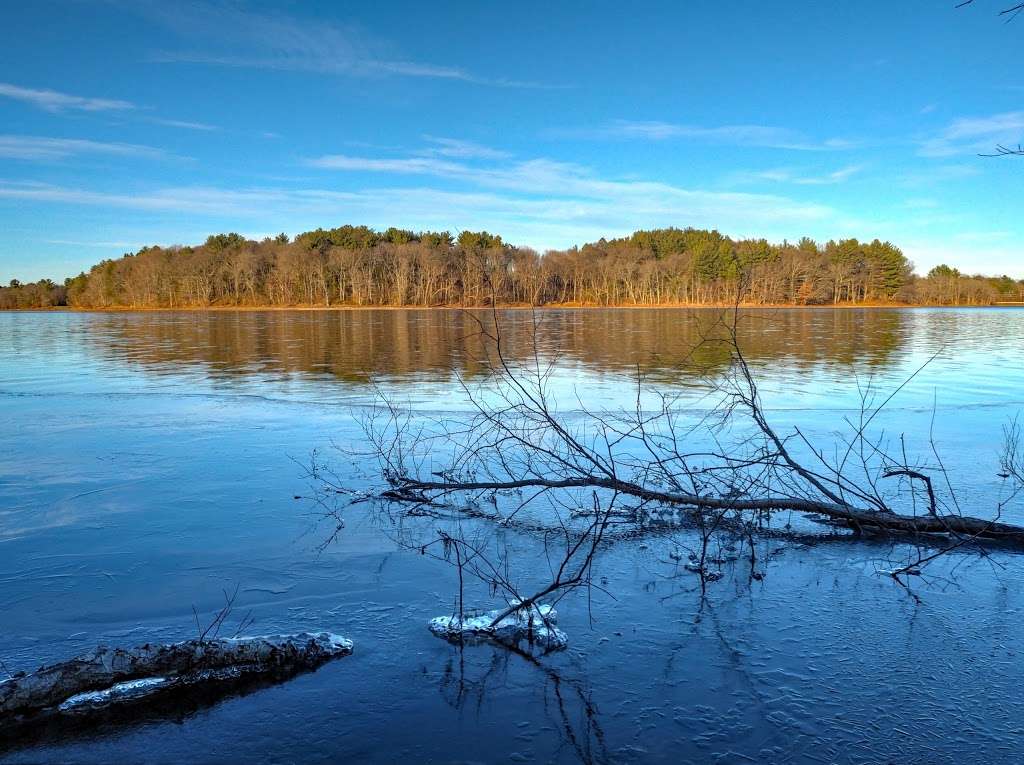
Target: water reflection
{"x": 469, "y": 677}
{"x": 354, "y": 346}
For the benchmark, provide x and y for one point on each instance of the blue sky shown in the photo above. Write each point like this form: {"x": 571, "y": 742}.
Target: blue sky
{"x": 132, "y": 123}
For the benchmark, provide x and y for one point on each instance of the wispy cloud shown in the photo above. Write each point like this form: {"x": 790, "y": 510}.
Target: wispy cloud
{"x": 184, "y": 124}
{"x": 976, "y": 135}
{"x": 758, "y": 136}
{"x": 79, "y": 243}
{"x": 539, "y": 202}
{"x": 553, "y": 190}
{"x": 555, "y": 219}
{"x": 279, "y": 41}
{"x": 34, "y": 148}
{"x": 938, "y": 174}
{"x": 789, "y": 175}
{"x": 406, "y": 165}
{"x": 453, "y": 147}
{"x": 544, "y": 177}
{"x": 543, "y": 222}
{"x": 192, "y": 199}
{"x": 54, "y": 101}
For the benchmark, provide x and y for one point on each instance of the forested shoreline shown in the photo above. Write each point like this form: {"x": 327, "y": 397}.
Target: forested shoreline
{"x": 358, "y": 266}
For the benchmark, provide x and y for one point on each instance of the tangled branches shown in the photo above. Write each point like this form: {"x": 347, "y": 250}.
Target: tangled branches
{"x": 517, "y": 459}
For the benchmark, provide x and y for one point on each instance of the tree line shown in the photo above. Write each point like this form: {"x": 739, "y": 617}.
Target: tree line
{"x": 358, "y": 266}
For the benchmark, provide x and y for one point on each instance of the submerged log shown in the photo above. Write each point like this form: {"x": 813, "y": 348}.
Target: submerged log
{"x": 110, "y": 676}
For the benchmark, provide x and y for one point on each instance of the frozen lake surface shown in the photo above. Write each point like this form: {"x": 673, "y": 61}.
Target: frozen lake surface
{"x": 150, "y": 461}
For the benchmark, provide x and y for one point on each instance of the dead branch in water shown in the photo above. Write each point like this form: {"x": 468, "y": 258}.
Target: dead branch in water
{"x": 713, "y": 455}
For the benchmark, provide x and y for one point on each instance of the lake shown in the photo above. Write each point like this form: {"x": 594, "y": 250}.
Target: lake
{"x": 151, "y": 461}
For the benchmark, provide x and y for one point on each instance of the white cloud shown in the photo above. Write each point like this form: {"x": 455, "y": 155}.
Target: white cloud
{"x": 184, "y": 124}
{"x": 645, "y": 198}
{"x": 788, "y": 175}
{"x": 555, "y": 204}
{"x": 976, "y": 135}
{"x": 938, "y": 174}
{"x": 278, "y": 41}
{"x": 53, "y": 101}
{"x": 452, "y": 147}
{"x": 565, "y": 181}
{"x": 558, "y": 218}
{"x": 555, "y": 219}
{"x": 409, "y": 165}
{"x": 195, "y": 199}
{"x": 836, "y": 176}
{"x": 101, "y": 245}
{"x": 760, "y": 136}
{"x": 56, "y": 102}
{"x": 49, "y": 149}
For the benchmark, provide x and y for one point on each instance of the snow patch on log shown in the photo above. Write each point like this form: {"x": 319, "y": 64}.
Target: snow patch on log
{"x": 535, "y": 625}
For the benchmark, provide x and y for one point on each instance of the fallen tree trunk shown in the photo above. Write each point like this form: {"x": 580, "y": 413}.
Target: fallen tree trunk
{"x": 111, "y": 675}
{"x": 857, "y": 518}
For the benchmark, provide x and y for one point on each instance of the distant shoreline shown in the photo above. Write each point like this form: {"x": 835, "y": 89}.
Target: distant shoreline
{"x": 360, "y": 267}
{"x": 510, "y": 307}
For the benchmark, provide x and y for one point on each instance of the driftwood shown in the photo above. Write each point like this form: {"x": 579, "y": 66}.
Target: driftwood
{"x": 110, "y": 676}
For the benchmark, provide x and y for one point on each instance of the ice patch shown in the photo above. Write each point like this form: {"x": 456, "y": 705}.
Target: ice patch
{"x": 534, "y": 625}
